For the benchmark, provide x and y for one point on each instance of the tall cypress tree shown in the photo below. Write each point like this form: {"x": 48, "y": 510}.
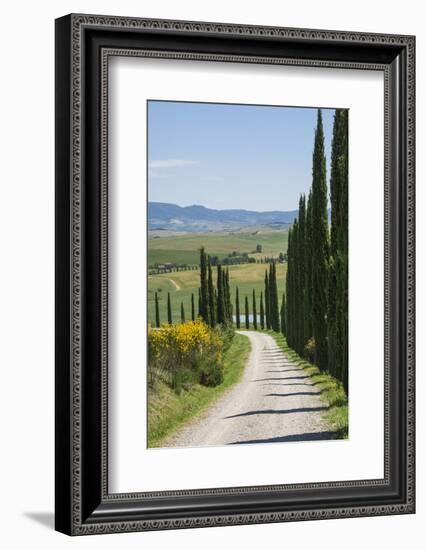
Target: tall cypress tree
{"x": 338, "y": 279}
{"x": 273, "y": 298}
{"x": 220, "y": 297}
{"x": 212, "y": 304}
{"x": 247, "y": 313}
{"x": 283, "y": 313}
{"x": 228, "y": 297}
{"x": 296, "y": 287}
{"x": 182, "y": 313}
{"x": 199, "y": 303}
{"x": 225, "y": 297}
{"x": 157, "y": 312}
{"x": 169, "y": 309}
{"x": 237, "y": 309}
{"x": 267, "y": 309}
{"x": 254, "y": 311}
{"x": 262, "y": 313}
{"x": 204, "y": 289}
{"x": 301, "y": 253}
{"x": 308, "y": 264}
{"x": 289, "y": 288}
{"x": 320, "y": 249}
{"x": 192, "y": 307}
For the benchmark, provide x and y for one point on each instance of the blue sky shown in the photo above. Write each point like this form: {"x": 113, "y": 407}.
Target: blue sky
{"x": 232, "y": 156}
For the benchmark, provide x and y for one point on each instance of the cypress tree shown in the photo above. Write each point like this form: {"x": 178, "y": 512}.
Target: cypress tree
{"x": 157, "y": 312}
{"x": 204, "y": 289}
{"x": 273, "y": 298}
{"x": 254, "y": 311}
{"x": 199, "y": 303}
{"x": 247, "y": 314}
{"x": 220, "y": 297}
{"x": 308, "y": 264}
{"x": 192, "y": 307}
{"x": 289, "y": 288}
{"x": 339, "y": 245}
{"x": 237, "y": 308}
{"x": 182, "y": 313}
{"x": 283, "y": 313}
{"x": 319, "y": 248}
{"x": 212, "y": 305}
{"x": 296, "y": 287}
{"x": 228, "y": 297}
{"x": 267, "y": 310}
{"x": 169, "y": 309}
{"x": 302, "y": 274}
{"x": 262, "y": 313}
{"x": 225, "y": 297}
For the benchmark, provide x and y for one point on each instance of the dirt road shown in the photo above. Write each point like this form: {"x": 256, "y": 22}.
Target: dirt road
{"x": 275, "y": 401}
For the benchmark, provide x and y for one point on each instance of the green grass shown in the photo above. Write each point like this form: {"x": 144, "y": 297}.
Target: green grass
{"x": 332, "y": 392}
{"x": 184, "y": 248}
{"x": 246, "y": 277}
{"x": 167, "y": 411}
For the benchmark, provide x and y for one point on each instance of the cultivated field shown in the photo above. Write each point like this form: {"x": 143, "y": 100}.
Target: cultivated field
{"x": 184, "y": 249}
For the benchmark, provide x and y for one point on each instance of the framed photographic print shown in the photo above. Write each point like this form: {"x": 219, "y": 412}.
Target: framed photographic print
{"x": 234, "y": 274}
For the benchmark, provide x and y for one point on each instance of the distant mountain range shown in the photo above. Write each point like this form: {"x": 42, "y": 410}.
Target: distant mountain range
{"x": 172, "y": 217}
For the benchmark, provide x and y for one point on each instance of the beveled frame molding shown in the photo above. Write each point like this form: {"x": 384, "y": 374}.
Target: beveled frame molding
{"x": 84, "y": 43}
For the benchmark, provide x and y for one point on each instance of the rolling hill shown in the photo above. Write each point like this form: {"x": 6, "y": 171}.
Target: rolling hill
{"x": 198, "y": 218}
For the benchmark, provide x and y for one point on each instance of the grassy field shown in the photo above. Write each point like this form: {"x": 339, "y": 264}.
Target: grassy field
{"x": 167, "y": 410}
{"x": 332, "y": 394}
{"x": 184, "y": 248}
{"x": 246, "y": 277}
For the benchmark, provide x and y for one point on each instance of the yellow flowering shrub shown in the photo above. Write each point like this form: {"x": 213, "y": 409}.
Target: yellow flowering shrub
{"x": 186, "y": 352}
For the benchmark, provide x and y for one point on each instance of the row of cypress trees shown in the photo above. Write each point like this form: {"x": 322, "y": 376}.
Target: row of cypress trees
{"x": 270, "y": 317}
{"x": 214, "y": 302}
{"x": 169, "y": 310}
{"x": 317, "y": 270}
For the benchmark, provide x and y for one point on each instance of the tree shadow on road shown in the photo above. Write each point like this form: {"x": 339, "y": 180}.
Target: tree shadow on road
{"x": 312, "y": 436}
{"x": 278, "y": 411}
{"x": 286, "y": 378}
{"x": 292, "y": 394}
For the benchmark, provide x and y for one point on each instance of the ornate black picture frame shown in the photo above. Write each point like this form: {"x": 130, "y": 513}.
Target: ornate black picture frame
{"x": 84, "y": 44}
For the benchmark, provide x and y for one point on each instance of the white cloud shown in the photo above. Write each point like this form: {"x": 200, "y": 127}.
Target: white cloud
{"x": 171, "y": 163}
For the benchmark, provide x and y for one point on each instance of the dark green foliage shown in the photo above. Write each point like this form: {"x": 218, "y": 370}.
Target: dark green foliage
{"x": 301, "y": 261}
{"x": 254, "y": 311}
{"x": 308, "y": 264}
{"x": 228, "y": 297}
{"x": 221, "y": 314}
{"x": 320, "y": 248}
{"x": 182, "y": 313}
{"x": 169, "y": 310}
{"x": 262, "y": 313}
{"x": 199, "y": 303}
{"x": 157, "y": 312}
{"x": 192, "y": 307}
{"x": 273, "y": 298}
{"x": 211, "y": 294}
{"x": 204, "y": 288}
{"x": 338, "y": 277}
{"x": 289, "y": 289}
{"x": 247, "y": 313}
{"x": 237, "y": 308}
{"x": 315, "y": 310}
{"x": 267, "y": 310}
{"x": 283, "y": 316}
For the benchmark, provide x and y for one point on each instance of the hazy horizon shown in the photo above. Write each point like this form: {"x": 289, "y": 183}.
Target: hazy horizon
{"x": 209, "y": 208}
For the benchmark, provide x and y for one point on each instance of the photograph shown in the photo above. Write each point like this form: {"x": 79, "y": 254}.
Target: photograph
{"x": 247, "y": 274}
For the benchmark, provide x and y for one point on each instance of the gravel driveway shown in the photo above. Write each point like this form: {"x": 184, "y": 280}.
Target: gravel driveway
{"x": 274, "y": 402}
